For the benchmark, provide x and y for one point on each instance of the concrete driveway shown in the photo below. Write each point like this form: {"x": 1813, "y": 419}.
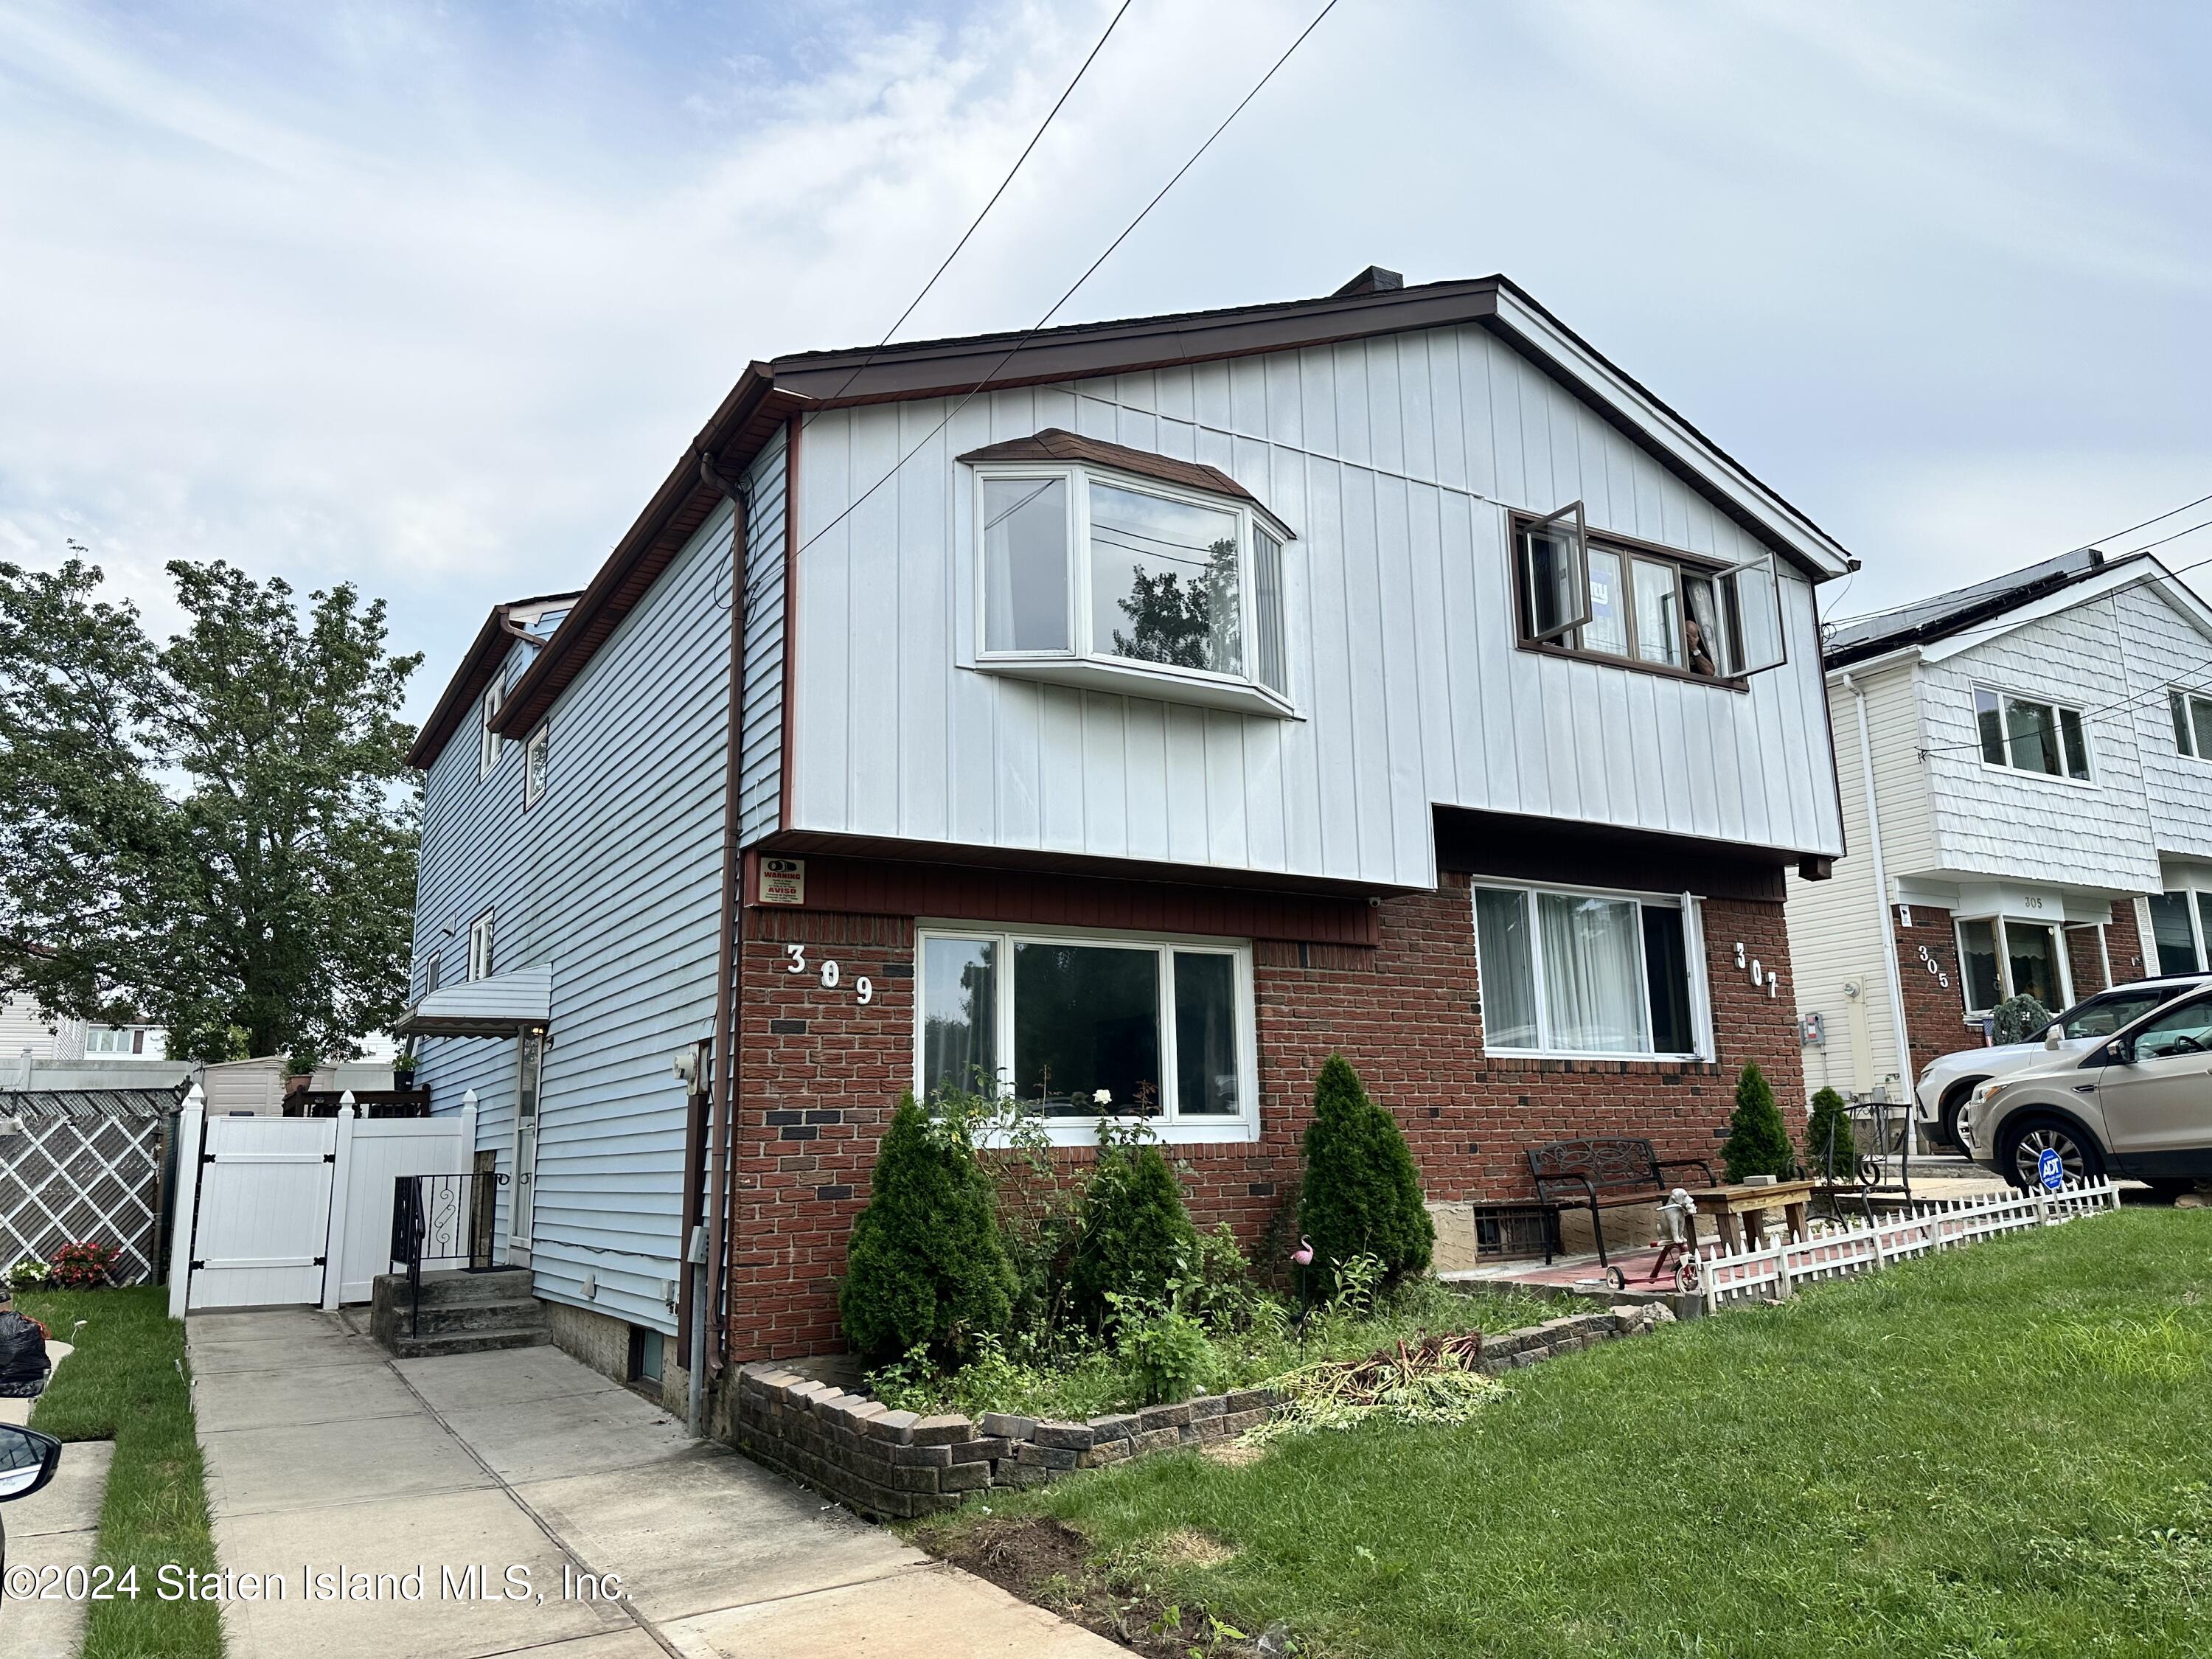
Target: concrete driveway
{"x": 469, "y": 1505}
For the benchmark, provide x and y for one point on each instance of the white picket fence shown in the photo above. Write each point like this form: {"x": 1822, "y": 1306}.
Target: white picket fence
{"x": 1775, "y": 1271}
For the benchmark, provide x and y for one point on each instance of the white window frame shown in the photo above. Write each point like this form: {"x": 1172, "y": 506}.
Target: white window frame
{"x": 1693, "y": 954}
{"x": 1168, "y": 1125}
{"x": 1997, "y": 920}
{"x": 1083, "y": 664}
{"x": 480, "y": 946}
{"x": 536, "y": 758}
{"x": 2198, "y": 930}
{"x": 2007, "y": 769}
{"x": 2185, "y": 731}
{"x": 488, "y": 740}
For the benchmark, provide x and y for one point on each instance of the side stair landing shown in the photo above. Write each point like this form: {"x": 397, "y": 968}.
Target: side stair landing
{"x": 460, "y": 1313}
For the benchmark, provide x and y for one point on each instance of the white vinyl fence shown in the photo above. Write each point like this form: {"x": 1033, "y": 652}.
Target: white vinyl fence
{"x": 1774, "y": 1270}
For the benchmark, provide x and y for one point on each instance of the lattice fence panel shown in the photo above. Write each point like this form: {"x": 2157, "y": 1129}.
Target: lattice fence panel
{"x": 65, "y": 1179}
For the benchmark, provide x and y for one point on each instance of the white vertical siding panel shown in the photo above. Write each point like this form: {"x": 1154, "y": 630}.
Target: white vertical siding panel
{"x": 867, "y": 550}
{"x": 1105, "y": 775}
{"x": 1189, "y": 832}
{"x": 1060, "y": 767}
{"x": 1228, "y": 838}
{"x": 923, "y": 631}
{"x": 1145, "y": 743}
{"x": 1433, "y": 699}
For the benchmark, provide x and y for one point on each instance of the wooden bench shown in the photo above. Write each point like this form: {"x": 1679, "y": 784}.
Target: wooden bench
{"x": 1604, "y": 1173}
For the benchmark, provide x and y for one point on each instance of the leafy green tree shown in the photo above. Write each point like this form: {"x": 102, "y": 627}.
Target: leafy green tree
{"x": 1829, "y": 1150}
{"x": 217, "y": 835}
{"x": 1134, "y": 1238}
{"x": 1759, "y": 1141}
{"x": 925, "y": 1265}
{"x": 1362, "y": 1194}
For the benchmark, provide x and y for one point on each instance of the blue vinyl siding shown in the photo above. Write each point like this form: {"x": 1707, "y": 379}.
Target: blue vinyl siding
{"x": 760, "y": 783}
{"x": 613, "y": 877}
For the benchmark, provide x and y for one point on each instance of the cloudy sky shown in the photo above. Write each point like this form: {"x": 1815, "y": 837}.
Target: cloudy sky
{"x": 429, "y": 297}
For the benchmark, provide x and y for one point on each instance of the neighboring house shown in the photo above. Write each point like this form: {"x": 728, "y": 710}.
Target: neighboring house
{"x": 1207, "y": 694}
{"x": 2041, "y": 818}
{"x": 38, "y": 1053}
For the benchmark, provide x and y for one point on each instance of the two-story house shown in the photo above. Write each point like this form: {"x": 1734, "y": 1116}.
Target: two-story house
{"x": 1148, "y": 707}
{"x": 2027, "y": 774}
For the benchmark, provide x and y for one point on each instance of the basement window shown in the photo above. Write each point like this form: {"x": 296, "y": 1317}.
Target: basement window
{"x": 1163, "y": 1026}
{"x": 1093, "y": 577}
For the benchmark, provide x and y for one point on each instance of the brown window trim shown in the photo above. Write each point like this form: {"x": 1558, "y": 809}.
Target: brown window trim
{"x": 1697, "y": 563}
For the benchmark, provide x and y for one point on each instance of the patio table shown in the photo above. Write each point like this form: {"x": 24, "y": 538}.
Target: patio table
{"x": 1737, "y": 1206}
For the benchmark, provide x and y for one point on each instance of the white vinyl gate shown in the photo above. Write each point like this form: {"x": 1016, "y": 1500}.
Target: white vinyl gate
{"x": 287, "y": 1210}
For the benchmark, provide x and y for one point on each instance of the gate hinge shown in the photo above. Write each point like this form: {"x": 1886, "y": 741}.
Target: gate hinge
{"x": 330, "y": 1157}
{"x": 196, "y": 1266}
{"x": 207, "y": 1158}
{"x": 322, "y": 1261}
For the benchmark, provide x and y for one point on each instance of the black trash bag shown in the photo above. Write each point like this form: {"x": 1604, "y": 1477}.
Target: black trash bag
{"x": 24, "y": 1366}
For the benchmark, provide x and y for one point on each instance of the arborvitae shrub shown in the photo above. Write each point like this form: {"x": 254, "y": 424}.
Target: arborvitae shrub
{"x": 925, "y": 1264}
{"x": 1758, "y": 1142}
{"x": 1828, "y": 1144}
{"x": 1362, "y": 1194}
{"x": 1135, "y": 1237}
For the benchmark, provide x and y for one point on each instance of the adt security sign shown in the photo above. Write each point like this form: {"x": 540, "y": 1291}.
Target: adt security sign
{"x": 2050, "y": 1170}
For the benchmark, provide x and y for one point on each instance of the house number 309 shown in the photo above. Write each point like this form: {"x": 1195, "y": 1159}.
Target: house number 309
{"x": 863, "y": 988}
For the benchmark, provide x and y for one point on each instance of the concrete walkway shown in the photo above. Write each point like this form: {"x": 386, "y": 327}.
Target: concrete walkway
{"x": 58, "y": 1526}
{"x": 324, "y": 1455}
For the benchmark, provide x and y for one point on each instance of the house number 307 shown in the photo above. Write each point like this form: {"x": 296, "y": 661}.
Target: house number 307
{"x": 863, "y": 988}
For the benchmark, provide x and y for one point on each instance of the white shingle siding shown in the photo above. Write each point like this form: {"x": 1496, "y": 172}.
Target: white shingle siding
{"x": 1997, "y": 821}
{"x": 613, "y": 877}
{"x": 1396, "y": 461}
{"x": 2166, "y": 649}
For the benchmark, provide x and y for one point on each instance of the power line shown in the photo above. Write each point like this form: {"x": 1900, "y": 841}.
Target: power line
{"x": 1037, "y": 326}
{"x": 977, "y": 221}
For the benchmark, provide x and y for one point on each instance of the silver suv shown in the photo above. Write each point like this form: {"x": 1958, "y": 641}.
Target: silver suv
{"x": 1946, "y": 1084}
{"x": 2139, "y": 1104}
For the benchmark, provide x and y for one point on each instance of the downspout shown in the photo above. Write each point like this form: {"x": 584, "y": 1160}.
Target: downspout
{"x": 1888, "y": 940}
{"x": 711, "y": 1255}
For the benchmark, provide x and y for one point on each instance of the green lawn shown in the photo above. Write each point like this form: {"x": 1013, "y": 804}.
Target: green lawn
{"x": 2004, "y": 1451}
{"x": 125, "y": 1383}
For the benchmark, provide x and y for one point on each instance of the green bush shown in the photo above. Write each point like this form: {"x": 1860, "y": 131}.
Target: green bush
{"x": 1164, "y": 1348}
{"x": 2011, "y": 1020}
{"x": 1362, "y": 1195}
{"x": 1829, "y": 1150}
{"x": 1135, "y": 1237}
{"x": 925, "y": 1267}
{"x": 1758, "y": 1142}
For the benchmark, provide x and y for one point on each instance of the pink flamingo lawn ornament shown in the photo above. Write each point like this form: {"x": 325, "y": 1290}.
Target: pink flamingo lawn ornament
{"x": 1303, "y": 1255}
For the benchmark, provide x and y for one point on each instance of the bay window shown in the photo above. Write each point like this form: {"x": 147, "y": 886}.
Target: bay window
{"x": 2026, "y": 734}
{"x": 1587, "y": 974}
{"x": 1999, "y": 956}
{"x": 1093, "y": 574}
{"x": 1648, "y": 607}
{"x": 1163, "y": 1027}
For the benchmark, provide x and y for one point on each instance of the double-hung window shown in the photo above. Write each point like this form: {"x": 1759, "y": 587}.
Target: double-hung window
{"x": 1650, "y": 607}
{"x": 487, "y": 739}
{"x": 1162, "y": 1028}
{"x": 1095, "y": 574}
{"x": 1582, "y": 973}
{"x": 480, "y": 947}
{"x": 2192, "y": 724}
{"x": 2026, "y": 734}
{"x": 1999, "y": 956}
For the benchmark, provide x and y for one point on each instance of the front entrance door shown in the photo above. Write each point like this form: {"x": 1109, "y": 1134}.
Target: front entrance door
{"x": 529, "y": 1066}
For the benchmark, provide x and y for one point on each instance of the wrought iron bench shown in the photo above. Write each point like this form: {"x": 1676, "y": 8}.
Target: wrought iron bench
{"x": 1604, "y": 1173}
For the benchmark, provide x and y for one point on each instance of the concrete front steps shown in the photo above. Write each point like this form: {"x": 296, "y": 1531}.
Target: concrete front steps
{"x": 461, "y": 1313}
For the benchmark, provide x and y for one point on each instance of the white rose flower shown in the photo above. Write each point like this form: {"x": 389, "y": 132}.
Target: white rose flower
{"x": 1103, "y": 1098}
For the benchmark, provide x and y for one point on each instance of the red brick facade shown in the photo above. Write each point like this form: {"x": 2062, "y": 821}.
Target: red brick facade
{"x": 821, "y": 1072}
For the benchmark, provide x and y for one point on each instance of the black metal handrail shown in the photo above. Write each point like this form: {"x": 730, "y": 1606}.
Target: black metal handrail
{"x": 447, "y": 1218}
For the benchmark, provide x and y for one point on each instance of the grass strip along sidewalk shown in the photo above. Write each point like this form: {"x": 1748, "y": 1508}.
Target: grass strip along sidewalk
{"x": 126, "y": 1382}
{"x": 1993, "y": 1450}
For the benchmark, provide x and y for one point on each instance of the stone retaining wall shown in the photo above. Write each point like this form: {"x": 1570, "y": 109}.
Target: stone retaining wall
{"x": 893, "y": 1464}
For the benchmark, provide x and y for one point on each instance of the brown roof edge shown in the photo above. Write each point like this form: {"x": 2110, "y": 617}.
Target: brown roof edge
{"x": 1058, "y": 444}
{"x": 484, "y": 653}
{"x": 747, "y": 418}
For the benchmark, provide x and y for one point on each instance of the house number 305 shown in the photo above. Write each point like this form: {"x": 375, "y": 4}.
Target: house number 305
{"x": 863, "y": 988}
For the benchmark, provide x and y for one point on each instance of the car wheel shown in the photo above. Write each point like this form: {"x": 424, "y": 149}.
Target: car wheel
{"x": 2025, "y": 1143}
{"x": 1954, "y": 1103}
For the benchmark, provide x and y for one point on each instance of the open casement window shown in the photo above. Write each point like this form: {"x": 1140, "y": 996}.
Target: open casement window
{"x": 2003, "y": 957}
{"x": 1556, "y": 577}
{"x": 1093, "y": 577}
{"x": 1164, "y": 1027}
{"x": 1595, "y": 974}
{"x": 1749, "y": 617}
